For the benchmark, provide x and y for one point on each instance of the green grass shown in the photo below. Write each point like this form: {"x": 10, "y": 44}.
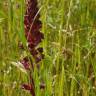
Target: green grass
{"x": 69, "y": 66}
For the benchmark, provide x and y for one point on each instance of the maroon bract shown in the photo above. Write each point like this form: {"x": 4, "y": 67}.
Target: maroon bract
{"x": 26, "y": 86}
{"x": 29, "y": 87}
{"x": 25, "y": 63}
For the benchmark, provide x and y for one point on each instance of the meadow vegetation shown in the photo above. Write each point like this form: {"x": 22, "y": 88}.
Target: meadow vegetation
{"x": 69, "y": 64}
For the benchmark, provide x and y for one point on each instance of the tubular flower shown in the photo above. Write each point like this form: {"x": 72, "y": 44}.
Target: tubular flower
{"x": 32, "y": 26}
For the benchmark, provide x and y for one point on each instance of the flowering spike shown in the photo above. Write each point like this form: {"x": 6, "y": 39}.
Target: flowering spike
{"x": 32, "y": 26}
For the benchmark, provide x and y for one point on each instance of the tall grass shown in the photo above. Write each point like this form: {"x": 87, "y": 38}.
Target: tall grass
{"x": 69, "y": 28}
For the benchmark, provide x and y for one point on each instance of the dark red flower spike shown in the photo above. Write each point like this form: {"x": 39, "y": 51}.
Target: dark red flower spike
{"x": 32, "y": 26}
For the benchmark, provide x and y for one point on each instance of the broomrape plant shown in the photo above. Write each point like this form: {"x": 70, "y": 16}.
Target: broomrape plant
{"x": 32, "y": 26}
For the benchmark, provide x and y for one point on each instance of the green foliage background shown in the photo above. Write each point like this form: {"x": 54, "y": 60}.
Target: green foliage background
{"x": 69, "y": 67}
